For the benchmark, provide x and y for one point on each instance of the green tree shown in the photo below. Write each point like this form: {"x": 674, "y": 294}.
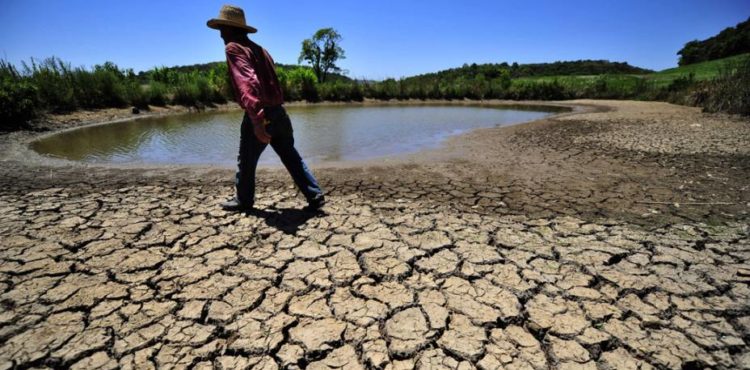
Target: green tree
{"x": 731, "y": 41}
{"x": 322, "y": 51}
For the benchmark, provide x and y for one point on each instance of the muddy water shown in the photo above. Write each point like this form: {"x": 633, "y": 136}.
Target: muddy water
{"x": 322, "y": 133}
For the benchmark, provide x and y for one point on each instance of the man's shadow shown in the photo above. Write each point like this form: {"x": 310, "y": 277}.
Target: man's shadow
{"x": 286, "y": 220}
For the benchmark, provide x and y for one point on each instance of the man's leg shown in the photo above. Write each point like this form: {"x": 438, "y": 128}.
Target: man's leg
{"x": 297, "y": 168}
{"x": 282, "y": 142}
{"x": 247, "y": 162}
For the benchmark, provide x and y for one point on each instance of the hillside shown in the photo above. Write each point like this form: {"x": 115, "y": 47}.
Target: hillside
{"x": 699, "y": 71}
{"x": 702, "y": 70}
{"x": 674, "y": 84}
{"x": 560, "y": 68}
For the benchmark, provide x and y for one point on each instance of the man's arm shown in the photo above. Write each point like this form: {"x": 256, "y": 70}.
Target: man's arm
{"x": 248, "y": 87}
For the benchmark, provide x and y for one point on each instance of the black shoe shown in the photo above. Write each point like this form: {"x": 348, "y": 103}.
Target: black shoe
{"x": 234, "y": 205}
{"x": 316, "y": 203}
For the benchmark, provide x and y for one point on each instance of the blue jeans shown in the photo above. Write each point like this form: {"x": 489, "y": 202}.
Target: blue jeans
{"x": 282, "y": 142}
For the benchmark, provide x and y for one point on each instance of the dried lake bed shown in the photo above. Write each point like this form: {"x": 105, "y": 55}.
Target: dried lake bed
{"x": 614, "y": 236}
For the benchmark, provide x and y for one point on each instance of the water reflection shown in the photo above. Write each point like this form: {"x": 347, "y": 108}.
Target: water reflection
{"x": 322, "y": 133}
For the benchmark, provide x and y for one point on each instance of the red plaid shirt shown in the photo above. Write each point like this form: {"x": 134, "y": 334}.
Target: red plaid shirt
{"x": 254, "y": 78}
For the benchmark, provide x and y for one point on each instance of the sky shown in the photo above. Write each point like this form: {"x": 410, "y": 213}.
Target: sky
{"x": 382, "y": 38}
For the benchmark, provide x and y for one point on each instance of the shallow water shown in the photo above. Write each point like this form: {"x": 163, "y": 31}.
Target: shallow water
{"x": 322, "y": 133}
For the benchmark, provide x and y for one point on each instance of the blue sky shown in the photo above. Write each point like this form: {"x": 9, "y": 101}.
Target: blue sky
{"x": 382, "y": 38}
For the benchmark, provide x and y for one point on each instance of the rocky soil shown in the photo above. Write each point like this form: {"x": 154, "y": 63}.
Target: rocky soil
{"x": 613, "y": 238}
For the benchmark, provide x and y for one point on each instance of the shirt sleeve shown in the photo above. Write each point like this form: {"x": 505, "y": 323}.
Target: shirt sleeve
{"x": 245, "y": 81}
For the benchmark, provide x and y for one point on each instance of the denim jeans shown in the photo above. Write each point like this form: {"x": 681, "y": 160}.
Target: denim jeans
{"x": 282, "y": 142}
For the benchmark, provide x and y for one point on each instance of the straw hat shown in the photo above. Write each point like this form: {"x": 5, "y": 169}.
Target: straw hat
{"x": 232, "y": 16}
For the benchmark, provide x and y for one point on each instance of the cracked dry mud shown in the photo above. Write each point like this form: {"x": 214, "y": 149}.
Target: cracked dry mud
{"x": 541, "y": 246}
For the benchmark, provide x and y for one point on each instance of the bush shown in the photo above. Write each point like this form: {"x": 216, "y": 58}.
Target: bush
{"x": 498, "y": 87}
{"x": 677, "y": 91}
{"x": 205, "y": 92}
{"x": 328, "y": 92}
{"x": 105, "y": 86}
{"x": 730, "y": 92}
{"x": 18, "y": 98}
{"x": 157, "y": 94}
{"x": 301, "y": 84}
{"x": 195, "y": 89}
{"x": 283, "y": 76}
{"x": 54, "y": 82}
{"x": 186, "y": 93}
{"x": 355, "y": 91}
{"x": 136, "y": 94}
{"x": 62, "y": 88}
{"x": 109, "y": 85}
{"x": 539, "y": 90}
{"x": 341, "y": 91}
{"x": 681, "y": 83}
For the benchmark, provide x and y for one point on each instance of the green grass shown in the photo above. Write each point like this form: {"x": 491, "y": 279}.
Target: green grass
{"x": 561, "y": 79}
{"x": 581, "y": 81}
{"x": 700, "y": 71}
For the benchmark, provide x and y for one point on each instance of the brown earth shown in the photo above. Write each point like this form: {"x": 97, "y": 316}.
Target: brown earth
{"x": 612, "y": 237}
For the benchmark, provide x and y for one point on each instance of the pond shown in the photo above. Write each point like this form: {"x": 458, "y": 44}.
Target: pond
{"x": 322, "y": 134}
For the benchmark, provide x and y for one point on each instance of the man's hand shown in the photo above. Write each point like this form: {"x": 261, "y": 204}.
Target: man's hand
{"x": 259, "y": 128}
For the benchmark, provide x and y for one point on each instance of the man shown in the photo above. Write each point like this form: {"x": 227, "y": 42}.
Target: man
{"x": 258, "y": 92}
